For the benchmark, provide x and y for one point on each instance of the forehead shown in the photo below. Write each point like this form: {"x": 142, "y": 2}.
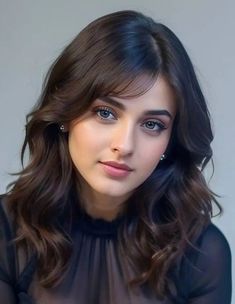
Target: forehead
{"x": 159, "y": 96}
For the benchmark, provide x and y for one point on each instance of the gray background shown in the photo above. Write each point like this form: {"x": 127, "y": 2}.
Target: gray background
{"x": 32, "y": 34}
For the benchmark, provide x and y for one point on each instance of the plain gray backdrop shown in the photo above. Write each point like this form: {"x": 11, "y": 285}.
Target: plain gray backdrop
{"x": 33, "y": 33}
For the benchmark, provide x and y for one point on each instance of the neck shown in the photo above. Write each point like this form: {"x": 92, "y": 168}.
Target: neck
{"x": 103, "y": 207}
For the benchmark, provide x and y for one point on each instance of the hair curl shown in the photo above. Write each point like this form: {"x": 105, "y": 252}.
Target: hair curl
{"x": 120, "y": 54}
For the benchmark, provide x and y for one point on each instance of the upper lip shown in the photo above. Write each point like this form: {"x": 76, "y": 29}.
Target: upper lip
{"x": 117, "y": 165}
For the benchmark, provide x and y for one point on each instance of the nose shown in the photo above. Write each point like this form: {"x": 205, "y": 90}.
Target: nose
{"x": 123, "y": 139}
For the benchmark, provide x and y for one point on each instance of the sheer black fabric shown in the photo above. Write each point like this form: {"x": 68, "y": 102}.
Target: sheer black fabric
{"x": 97, "y": 273}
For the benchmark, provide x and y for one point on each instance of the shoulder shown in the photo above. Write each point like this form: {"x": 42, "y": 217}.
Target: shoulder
{"x": 5, "y": 218}
{"x": 15, "y": 271}
{"x": 7, "y": 257}
{"x": 211, "y": 248}
{"x": 207, "y": 266}
{"x": 7, "y": 231}
{"x": 213, "y": 245}
{"x": 212, "y": 234}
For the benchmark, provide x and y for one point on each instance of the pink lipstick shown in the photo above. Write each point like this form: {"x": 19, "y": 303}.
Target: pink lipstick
{"x": 115, "y": 169}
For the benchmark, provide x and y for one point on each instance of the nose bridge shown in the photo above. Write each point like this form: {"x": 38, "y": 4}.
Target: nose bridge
{"x": 124, "y": 137}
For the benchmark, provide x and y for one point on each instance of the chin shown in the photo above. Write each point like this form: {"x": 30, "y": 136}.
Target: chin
{"x": 114, "y": 194}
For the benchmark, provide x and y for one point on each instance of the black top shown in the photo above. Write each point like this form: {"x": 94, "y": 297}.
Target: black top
{"x": 96, "y": 273}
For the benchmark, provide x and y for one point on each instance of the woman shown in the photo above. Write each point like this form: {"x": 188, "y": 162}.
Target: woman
{"x": 112, "y": 206}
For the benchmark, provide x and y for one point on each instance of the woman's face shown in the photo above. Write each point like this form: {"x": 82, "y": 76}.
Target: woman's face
{"x": 117, "y": 143}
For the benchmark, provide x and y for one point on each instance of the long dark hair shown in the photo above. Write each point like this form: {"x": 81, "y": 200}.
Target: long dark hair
{"x": 120, "y": 54}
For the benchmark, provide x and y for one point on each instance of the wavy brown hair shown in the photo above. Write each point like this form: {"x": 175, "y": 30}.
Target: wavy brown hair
{"x": 120, "y": 54}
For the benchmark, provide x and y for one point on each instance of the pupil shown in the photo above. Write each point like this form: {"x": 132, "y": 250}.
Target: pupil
{"x": 150, "y": 124}
{"x": 105, "y": 113}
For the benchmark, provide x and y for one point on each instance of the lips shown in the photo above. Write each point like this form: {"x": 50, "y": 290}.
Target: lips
{"x": 116, "y": 170}
{"x": 117, "y": 165}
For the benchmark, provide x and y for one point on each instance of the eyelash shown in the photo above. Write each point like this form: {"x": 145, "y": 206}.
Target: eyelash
{"x": 97, "y": 111}
{"x": 160, "y": 125}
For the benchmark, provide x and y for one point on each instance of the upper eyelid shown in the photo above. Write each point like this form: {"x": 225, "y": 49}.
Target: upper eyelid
{"x": 96, "y": 109}
{"x": 120, "y": 106}
{"x": 157, "y": 120}
{"x": 103, "y": 107}
{"x": 106, "y": 106}
{"x": 103, "y": 104}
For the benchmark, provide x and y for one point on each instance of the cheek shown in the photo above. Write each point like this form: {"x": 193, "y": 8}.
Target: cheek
{"x": 76, "y": 145}
{"x": 151, "y": 153}
{"x": 151, "y": 162}
{"x": 84, "y": 146}
{"x": 81, "y": 138}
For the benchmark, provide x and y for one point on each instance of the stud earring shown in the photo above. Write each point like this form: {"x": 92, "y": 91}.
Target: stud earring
{"x": 163, "y": 157}
{"x": 62, "y": 128}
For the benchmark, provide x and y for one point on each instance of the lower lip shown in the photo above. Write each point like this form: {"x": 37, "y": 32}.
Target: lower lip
{"x": 115, "y": 172}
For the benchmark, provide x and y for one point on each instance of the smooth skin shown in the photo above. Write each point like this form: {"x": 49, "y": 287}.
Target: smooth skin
{"x": 134, "y": 132}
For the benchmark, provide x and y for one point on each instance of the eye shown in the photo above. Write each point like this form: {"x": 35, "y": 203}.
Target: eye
{"x": 104, "y": 113}
{"x": 153, "y": 125}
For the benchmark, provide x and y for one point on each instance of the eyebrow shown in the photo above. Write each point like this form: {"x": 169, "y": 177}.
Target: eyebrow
{"x": 119, "y": 105}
